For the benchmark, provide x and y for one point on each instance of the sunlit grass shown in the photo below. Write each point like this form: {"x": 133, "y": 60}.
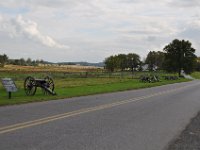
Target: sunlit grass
{"x": 73, "y": 87}
{"x": 69, "y": 84}
{"x": 196, "y": 75}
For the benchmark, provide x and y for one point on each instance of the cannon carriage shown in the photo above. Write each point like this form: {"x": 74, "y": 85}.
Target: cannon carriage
{"x": 149, "y": 78}
{"x": 170, "y": 77}
{"x": 31, "y": 84}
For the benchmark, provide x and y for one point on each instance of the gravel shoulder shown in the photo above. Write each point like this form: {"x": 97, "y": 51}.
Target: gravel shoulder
{"x": 189, "y": 139}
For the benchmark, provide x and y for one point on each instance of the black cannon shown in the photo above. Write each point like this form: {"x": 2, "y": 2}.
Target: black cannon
{"x": 46, "y": 84}
{"x": 170, "y": 77}
{"x": 149, "y": 78}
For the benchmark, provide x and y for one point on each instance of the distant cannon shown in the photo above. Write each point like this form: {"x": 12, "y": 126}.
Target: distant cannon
{"x": 149, "y": 78}
{"x": 31, "y": 84}
{"x": 170, "y": 77}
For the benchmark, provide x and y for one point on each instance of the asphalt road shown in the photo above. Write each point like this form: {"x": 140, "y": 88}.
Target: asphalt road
{"x": 146, "y": 119}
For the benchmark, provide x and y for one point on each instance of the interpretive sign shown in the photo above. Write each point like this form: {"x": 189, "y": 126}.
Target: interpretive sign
{"x": 9, "y": 85}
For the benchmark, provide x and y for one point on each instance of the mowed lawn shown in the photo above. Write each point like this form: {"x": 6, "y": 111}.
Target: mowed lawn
{"x": 196, "y": 75}
{"x": 73, "y": 87}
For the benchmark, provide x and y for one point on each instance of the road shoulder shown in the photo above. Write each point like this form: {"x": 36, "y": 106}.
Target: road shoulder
{"x": 189, "y": 139}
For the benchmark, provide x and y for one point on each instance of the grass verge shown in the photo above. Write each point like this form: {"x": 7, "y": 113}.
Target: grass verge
{"x": 196, "y": 75}
{"x": 90, "y": 88}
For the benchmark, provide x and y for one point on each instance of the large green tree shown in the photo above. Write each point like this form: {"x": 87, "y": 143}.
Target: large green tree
{"x": 121, "y": 60}
{"x": 133, "y": 60}
{"x": 179, "y": 54}
{"x": 3, "y": 60}
{"x": 29, "y": 62}
{"x": 155, "y": 59}
{"x": 110, "y": 63}
{"x": 197, "y": 67}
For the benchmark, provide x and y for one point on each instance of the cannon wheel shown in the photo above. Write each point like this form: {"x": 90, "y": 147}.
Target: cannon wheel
{"x": 50, "y": 85}
{"x": 30, "y": 86}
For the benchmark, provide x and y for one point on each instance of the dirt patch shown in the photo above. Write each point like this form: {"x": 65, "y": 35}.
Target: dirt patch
{"x": 189, "y": 139}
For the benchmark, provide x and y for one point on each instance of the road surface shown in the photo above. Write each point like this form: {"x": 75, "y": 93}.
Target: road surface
{"x": 145, "y": 119}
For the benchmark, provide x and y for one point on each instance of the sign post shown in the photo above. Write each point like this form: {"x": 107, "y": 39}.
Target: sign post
{"x": 9, "y": 85}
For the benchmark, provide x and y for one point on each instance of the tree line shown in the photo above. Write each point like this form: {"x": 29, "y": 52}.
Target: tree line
{"x": 122, "y": 62}
{"x": 176, "y": 56}
{"x": 4, "y": 59}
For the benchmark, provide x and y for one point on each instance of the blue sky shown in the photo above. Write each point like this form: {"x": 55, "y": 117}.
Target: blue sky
{"x": 91, "y": 30}
{"x": 13, "y": 11}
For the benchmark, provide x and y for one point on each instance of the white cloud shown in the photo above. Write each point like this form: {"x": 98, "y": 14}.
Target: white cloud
{"x": 185, "y": 3}
{"x": 195, "y": 24}
{"x": 29, "y": 29}
{"x": 95, "y": 29}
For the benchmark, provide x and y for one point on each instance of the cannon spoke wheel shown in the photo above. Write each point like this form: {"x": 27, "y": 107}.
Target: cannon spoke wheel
{"x": 49, "y": 85}
{"x": 30, "y": 86}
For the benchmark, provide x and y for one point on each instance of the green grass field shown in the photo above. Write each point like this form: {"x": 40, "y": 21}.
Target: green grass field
{"x": 196, "y": 75}
{"x": 66, "y": 87}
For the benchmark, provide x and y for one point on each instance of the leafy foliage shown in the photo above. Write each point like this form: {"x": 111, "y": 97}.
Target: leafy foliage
{"x": 3, "y": 60}
{"x": 197, "y": 67}
{"x": 155, "y": 59}
{"x": 122, "y": 61}
{"x": 133, "y": 60}
{"x": 110, "y": 63}
{"x": 180, "y": 55}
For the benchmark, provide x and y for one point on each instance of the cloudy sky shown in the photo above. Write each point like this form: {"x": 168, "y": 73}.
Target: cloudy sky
{"x": 90, "y": 30}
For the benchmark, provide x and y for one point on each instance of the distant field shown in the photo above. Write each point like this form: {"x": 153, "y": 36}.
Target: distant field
{"x": 71, "y": 84}
{"x": 50, "y": 68}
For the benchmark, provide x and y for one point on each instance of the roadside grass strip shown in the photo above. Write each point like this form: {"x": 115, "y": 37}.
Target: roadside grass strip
{"x": 82, "y": 87}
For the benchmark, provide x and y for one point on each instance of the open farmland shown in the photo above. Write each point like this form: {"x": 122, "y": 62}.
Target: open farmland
{"x": 51, "y": 68}
{"x": 71, "y": 84}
